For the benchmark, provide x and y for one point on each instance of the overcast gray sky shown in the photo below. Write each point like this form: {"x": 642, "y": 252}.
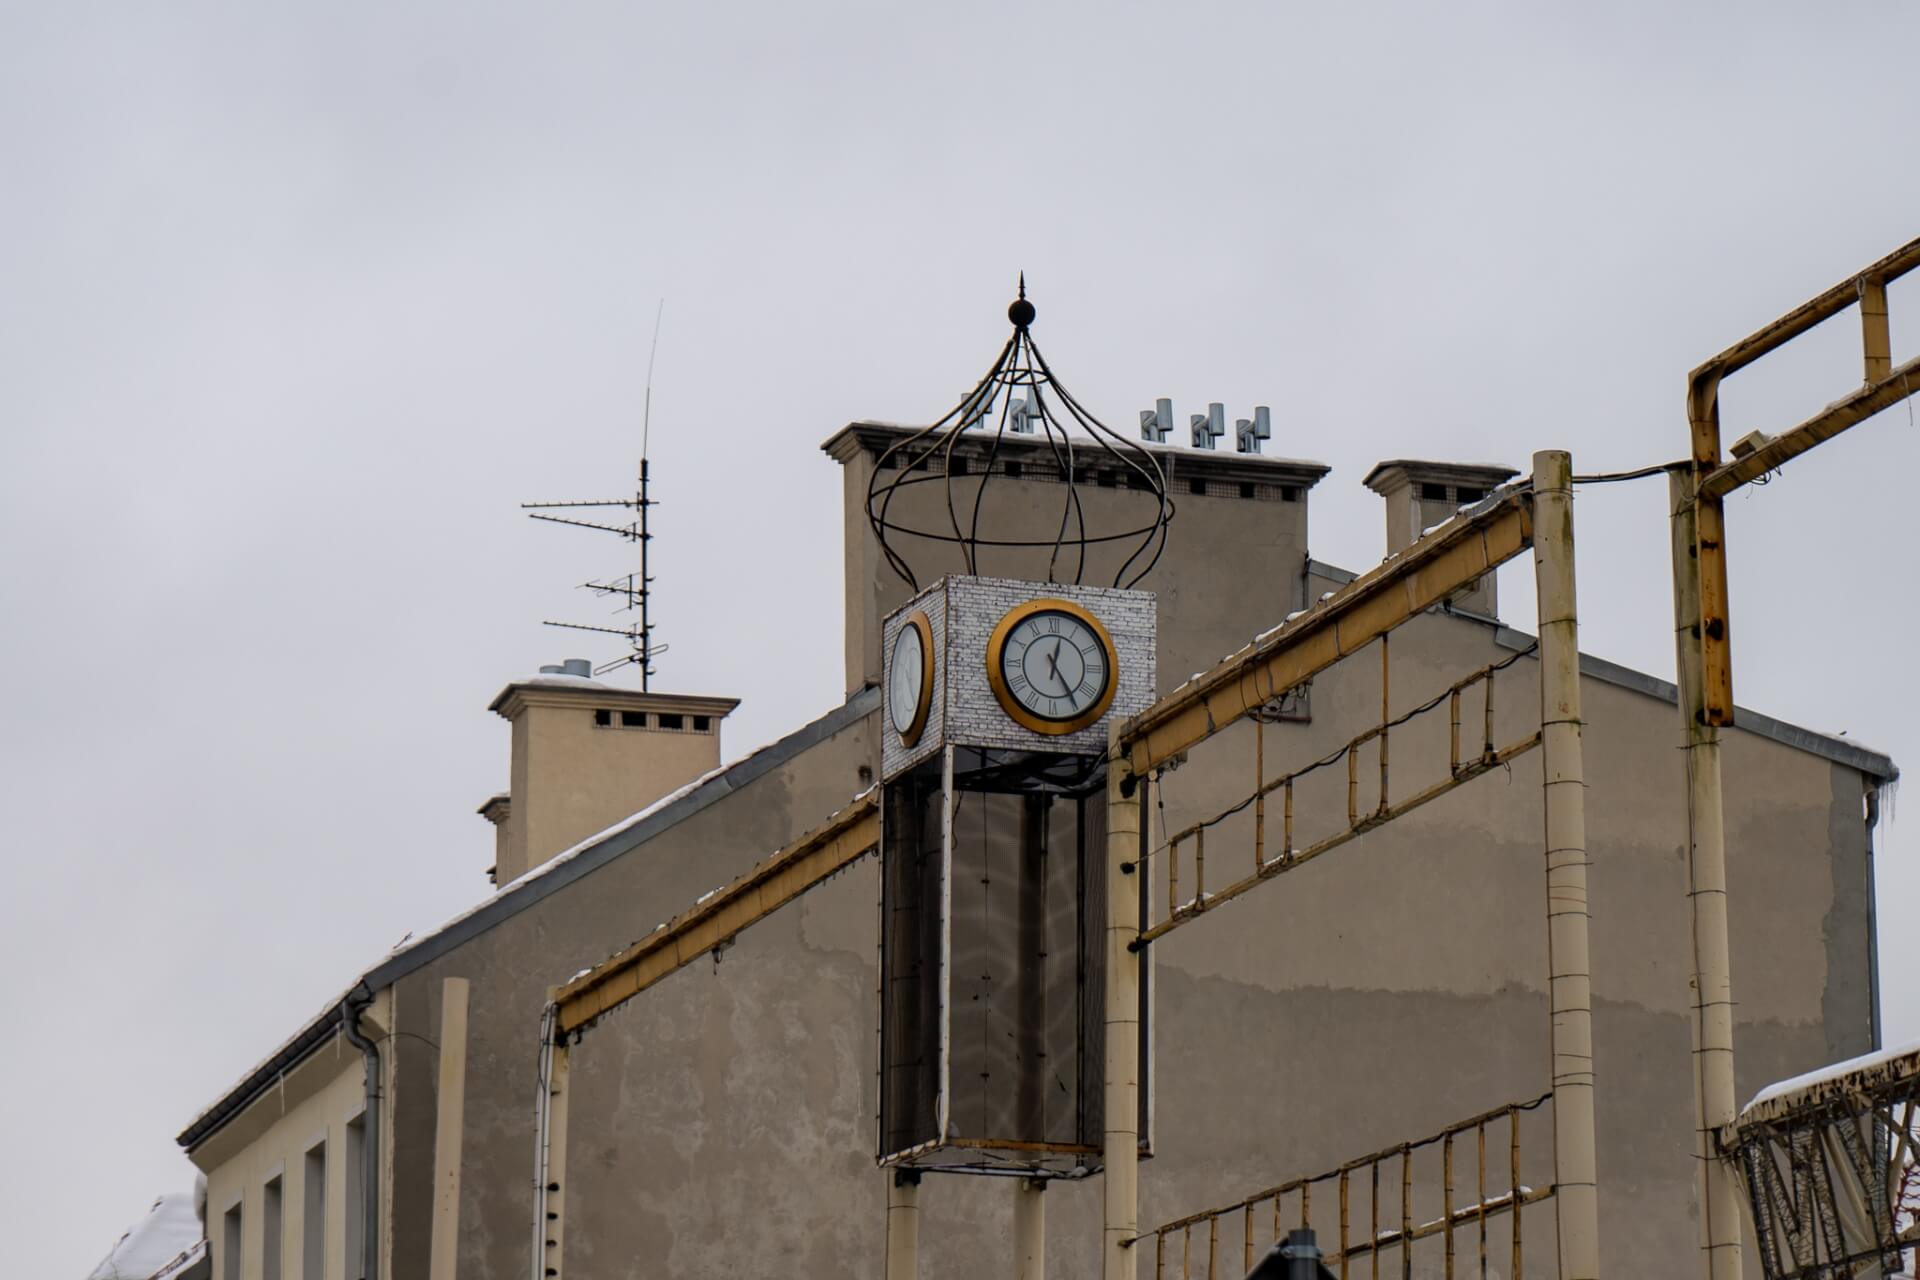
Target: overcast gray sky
{"x": 298, "y": 301}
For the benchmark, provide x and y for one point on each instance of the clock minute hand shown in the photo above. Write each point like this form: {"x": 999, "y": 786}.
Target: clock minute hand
{"x": 1053, "y": 665}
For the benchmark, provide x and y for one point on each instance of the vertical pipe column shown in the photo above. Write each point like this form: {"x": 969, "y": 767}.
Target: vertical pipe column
{"x": 550, "y": 1155}
{"x": 1575, "y": 1200}
{"x": 1121, "y": 1106}
{"x": 1030, "y": 1229}
{"x": 903, "y": 1224}
{"x": 1707, "y": 897}
{"x": 448, "y": 1129}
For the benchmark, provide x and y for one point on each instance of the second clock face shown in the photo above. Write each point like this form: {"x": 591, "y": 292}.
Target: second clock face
{"x": 1054, "y": 663}
{"x": 910, "y": 678}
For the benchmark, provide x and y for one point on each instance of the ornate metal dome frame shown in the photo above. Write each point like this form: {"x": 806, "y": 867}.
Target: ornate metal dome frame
{"x": 1031, "y": 404}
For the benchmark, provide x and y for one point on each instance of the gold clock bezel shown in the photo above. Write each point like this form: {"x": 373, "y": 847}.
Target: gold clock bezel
{"x": 916, "y": 621}
{"x": 996, "y": 646}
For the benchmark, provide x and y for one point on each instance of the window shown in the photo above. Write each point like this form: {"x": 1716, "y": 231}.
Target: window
{"x": 1434, "y": 492}
{"x": 313, "y": 1214}
{"x": 1246, "y": 489}
{"x": 355, "y": 1195}
{"x": 603, "y": 718}
{"x": 272, "y": 1218}
{"x": 1014, "y": 469}
{"x": 956, "y": 466}
{"x": 230, "y": 1244}
{"x": 1289, "y": 493}
{"x": 633, "y": 719}
{"x": 702, "y": 724}
{"x": 1197, "y": 486}
{"x": 672, "y": 720}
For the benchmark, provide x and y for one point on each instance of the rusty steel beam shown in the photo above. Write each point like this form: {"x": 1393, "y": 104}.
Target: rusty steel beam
{"x": 1885, "y": 386}
{"x": 1896, "y": 386}
{"x": 847, "y": 837}
{"x": 1416, "y": 579}
{"x": 1808, "y": 314}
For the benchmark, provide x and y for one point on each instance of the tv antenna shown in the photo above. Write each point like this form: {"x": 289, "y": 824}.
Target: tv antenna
{"x": 633, "y": 590}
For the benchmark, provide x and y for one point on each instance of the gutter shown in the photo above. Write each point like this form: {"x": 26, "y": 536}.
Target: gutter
{"x": 357, "y": 999}
{"x": 1873, "y": 921}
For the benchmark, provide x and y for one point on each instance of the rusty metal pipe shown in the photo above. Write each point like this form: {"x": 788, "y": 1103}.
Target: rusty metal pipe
{"x": 1712, "y": 1021}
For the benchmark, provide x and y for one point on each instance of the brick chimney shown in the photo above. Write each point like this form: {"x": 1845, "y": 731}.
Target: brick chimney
{"x": 587, "y": 754}
{"x": 1420, "y": 495}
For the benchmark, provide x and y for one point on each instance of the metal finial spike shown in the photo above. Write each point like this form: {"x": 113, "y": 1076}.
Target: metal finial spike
{"x": 1021, "y": 312}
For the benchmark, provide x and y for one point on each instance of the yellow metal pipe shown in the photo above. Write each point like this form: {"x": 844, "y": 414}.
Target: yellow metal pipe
{"x": 1712, "y": 1022}
{"x": 1898, "y": 384}
{"x": 848, "y": 836}
{"x": 1808, "y": 314}
{"x": 1576, "y": 1206}
{"x": 1424, "y": 574}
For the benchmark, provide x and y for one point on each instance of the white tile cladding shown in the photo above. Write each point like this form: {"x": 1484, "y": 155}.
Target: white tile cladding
{"x": 963, "y": 612}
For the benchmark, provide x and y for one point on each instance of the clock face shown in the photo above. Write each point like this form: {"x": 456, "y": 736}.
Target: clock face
{"x": 910, "y": 678}
{"x": 1051, "y": 665}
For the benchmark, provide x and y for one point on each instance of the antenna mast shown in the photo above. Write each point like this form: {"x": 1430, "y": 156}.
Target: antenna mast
{"x": 635, "y": 589}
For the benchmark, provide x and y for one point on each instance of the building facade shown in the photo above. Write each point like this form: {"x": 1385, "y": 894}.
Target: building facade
{"x": 725, "y": 1123}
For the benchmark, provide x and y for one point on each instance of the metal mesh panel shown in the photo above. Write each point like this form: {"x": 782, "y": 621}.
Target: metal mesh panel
{"x": 911, "y": 873}
{"x": 1019, "y": 1040}
{"x": 1022, "y": 1004}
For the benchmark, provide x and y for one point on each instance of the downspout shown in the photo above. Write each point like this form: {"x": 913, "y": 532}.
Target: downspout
{"x": 1873, "y": 920}
{"x": 357, "y": 999}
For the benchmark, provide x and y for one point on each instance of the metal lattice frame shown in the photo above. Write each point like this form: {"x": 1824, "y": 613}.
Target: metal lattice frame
{"x": 1019, "y": 393}
{"x": 1832, "y": 1172}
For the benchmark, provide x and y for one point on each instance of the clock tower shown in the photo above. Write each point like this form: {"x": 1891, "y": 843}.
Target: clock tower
{"x": 999, "y": 693}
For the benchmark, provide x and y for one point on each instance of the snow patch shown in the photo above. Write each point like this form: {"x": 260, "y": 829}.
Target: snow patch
{"x": 158, "y": 1244}
{"x": 1833, "y": 1071}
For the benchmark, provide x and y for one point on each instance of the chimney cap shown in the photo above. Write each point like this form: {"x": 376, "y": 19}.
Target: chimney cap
{"x": 580, "y": 668}
{"x": 1391, "y": 474}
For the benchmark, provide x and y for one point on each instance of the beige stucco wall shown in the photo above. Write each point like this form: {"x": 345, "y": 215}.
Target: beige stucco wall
{"x": 312, "y": 1103}
{"x": 511, "y": 967}
{"x": 724, "y": 1123}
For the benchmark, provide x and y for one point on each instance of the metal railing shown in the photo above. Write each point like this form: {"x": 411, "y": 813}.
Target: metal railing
{"x": 1382, "y": 1204}
{"x": 1462, "y": 767}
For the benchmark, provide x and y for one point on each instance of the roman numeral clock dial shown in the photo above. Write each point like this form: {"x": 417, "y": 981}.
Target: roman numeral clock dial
{"x": 1050, "y": 663}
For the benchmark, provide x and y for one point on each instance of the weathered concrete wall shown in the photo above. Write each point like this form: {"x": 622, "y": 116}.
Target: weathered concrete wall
{"x": 724, "y": 1124}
